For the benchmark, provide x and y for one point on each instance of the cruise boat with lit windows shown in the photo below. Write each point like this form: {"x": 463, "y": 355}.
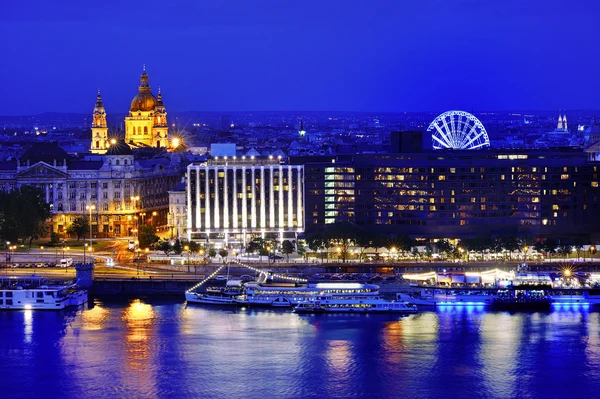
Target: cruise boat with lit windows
{"x": 217, "y": 295}
{"x": 25, "y": 293}
{"x": 353, "y": 304}
{"x": 277, "y": 294}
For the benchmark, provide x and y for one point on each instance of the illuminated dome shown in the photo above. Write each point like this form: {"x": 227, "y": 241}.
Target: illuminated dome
{"x": 144, "y": 100}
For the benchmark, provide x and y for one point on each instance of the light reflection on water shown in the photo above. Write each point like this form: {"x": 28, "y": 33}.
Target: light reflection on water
{"x": 140, "y": 349}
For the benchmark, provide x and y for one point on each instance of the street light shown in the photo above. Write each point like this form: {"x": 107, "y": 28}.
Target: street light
{"x": 135, "y": 198}
{"x": 146, "y": 250}
{"x": 84, "y": 251}
{"x": 90, "y": 208}
{"x": 137, "y": 250}
{"x": 187, "y": 248}
{"x": 7, "y": 254}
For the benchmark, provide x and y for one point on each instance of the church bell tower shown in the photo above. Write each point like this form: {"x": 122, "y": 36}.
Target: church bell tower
{"x": 99, "y": 143}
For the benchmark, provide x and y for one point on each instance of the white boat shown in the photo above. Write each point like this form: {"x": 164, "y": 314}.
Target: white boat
{"x": 427, "y": 297}
{"x": 353, "y": 304}
{"x": 216, "y": 295}
{"x": 25, "y": 293}
{"x": 290, "y": 294}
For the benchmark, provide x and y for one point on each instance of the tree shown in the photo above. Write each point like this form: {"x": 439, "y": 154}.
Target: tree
{"x": 317, "y": 243}
{"x": 177, "y": 248}
{"x": 255, "y": 245}
{"x": 578, "y": 244}
{"x": 212, "y": 253}
{"x": 341, "y": 235}
{"x": 146, "y": 236}
{"x": 287, "y": 248}
{"x": 23, "y": 214}
{"x": 223, "y": 253}
{"x": 564, "y": 249}
{"x": 53, "y": 238}
{"x": 444, "y": 247}
{"x": 79, "y": 227}
{"x": 164, "y": 246}
{"x": 550, "y": 245}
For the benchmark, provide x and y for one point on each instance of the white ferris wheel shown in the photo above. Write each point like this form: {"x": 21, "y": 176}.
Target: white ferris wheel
{"x": 458, "y": 130}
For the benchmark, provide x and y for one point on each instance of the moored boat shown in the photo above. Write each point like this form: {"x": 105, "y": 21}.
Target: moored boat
{"x": 25, "y": 293}
{"x": 522, "y": 300}
{"x": 290, "y": 294}
{"x": 353, "y": 304}
{"x": 216, "y": 295}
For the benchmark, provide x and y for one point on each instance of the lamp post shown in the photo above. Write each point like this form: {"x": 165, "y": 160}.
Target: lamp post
{"x": 137, "y": 251}
{"x": 153, "y": 218}
{"x": 592, "y": 251}
{"x": 84, "y": 251}
{"x": 268, "y": 255}
{"x": 129, "y": 229}
{"x": 66, "y": 263}
{"x": 135, "y": 198}
{"x": 7, "y": 254}
{"x": 187, "y": 249}
{"x": 201, "y": 252}
{"x": 90, "y": 208}
{"x": 146, "y": 250}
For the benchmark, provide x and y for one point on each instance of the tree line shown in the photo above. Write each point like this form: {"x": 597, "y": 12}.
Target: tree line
{"x": 344, "y": 235}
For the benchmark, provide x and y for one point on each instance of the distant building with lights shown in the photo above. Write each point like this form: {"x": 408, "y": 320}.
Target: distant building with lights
{"x": 232, "y": 200}
{"x": 123, "y": 189}
{"x": 457, "y": 193}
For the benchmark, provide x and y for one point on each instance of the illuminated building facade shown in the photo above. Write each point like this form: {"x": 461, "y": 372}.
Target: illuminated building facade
{"x": 123, "y": 190}
{"x": 234, "y": 199}
{"x": 456, "y": 193}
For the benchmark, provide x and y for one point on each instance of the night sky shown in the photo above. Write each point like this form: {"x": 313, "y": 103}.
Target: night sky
{"x": 251, "y": 55}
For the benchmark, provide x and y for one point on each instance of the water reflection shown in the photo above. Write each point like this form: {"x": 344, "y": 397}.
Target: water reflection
{"x": 28, "y": 324}
{"x": 139, "y": 349}
{"x": 95, "y": 318}
{"x": 138, "y": 319}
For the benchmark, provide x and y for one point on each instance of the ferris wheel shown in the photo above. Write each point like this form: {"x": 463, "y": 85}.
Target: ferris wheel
{"x": 458, "y": 130}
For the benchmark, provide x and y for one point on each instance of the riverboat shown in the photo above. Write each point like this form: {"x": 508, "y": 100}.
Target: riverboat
{"x": 28, "y": 293}
{"x": 217, "y": 295}
{"x": 290, "y": 294}
{"x": 438, "y": 297}
{"x": 353, "y": 304}
{"x": 521, "y": 299}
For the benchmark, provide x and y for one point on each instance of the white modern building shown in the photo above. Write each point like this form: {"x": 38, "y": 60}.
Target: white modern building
{"x": 234, "y": 199}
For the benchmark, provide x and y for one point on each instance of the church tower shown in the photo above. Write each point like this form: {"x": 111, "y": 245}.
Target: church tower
{"x": 160, "y": 131}
{"x": 560, "y": 123}
{"x": 99, "y": 128}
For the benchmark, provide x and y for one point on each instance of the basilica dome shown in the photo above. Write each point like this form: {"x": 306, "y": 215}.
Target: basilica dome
{"x": 144, "y": 100}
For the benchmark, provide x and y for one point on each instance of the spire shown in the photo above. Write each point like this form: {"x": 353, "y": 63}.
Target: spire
{"x": 159, "y": 101}
{"x": 99, "y": 100}
{"x": 560, "y": 122}
{"x": 144, "y": 81}
{"x": 565, "y": 127}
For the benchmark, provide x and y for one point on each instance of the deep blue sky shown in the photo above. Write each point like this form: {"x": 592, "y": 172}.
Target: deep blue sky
{"x": 372, "y": 55}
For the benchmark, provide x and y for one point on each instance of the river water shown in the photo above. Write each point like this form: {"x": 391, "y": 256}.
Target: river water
{"x": 138, "y": 349}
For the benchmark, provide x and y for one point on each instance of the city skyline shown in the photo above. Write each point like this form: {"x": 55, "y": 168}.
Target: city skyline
{"x": 233, "y": 57}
